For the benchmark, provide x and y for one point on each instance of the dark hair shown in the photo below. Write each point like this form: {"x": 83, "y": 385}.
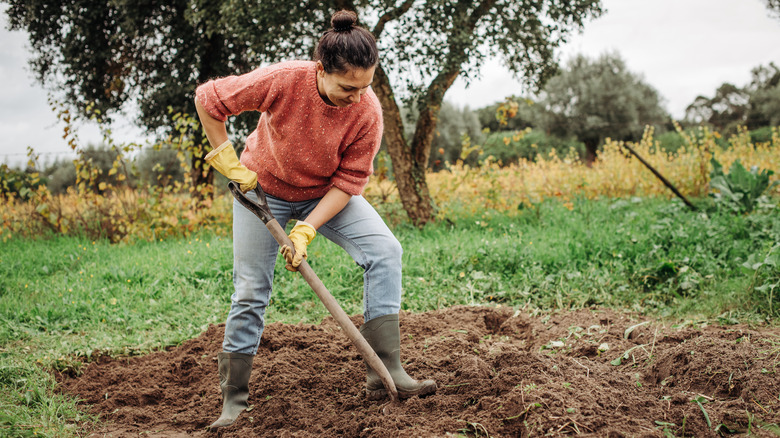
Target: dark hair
{"x": 346, "y": 45}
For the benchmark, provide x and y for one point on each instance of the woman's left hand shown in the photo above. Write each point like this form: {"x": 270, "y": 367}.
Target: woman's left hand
{"x": 301, "y": 236}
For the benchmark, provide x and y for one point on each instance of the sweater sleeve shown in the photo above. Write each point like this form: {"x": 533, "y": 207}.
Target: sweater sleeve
{"x": 233, "y": 95}
{"x": 357, "y": 162}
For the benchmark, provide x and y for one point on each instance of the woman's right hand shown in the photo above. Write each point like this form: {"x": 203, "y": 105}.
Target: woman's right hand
{"x": 225, "y": 160}
{"x": 223, "y": 157}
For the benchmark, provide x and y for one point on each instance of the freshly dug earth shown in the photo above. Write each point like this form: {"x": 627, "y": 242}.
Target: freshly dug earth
{"x": 500, "y": 372}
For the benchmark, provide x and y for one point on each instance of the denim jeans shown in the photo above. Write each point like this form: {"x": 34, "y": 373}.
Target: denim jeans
{"x": 358, "y": 229}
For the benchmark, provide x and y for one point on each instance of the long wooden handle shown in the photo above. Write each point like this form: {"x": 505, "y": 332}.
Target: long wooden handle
{"x": 365, "y": 350}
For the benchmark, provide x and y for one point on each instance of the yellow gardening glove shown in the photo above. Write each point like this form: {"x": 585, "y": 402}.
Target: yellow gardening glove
{"x": 301, "y": 235}
{"x": 225, "y": 160}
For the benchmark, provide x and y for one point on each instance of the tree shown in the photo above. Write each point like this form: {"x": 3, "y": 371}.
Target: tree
{"x": 754, "y": 105}
{"x": 764, "y": 100}
{"x": 527, "y": 116}
{"x": 98, "y": 56}
{"x": 596, "y": 99}
{"x": 425, "y": 46}
{"x": 774, "y": 7}
{"x": 724, "y": 111}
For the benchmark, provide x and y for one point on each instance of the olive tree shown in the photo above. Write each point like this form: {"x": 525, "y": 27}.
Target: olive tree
{"x": 595, "y": 99}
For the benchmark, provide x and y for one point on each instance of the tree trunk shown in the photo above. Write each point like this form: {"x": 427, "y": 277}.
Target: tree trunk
{"x": 591, "y": 146}
{"x": 429, "y": 115}
{"x": 409, "y": 173}
{"x": 410, "y": 162}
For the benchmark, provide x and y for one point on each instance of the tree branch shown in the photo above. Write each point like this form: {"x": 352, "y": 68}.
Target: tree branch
{"x": 390, "y": 16}
{"x": 429, "y": 112}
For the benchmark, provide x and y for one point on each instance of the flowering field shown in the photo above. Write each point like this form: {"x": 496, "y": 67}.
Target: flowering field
{"x": 615, "y": 174}
{"x": 120, "y": 214}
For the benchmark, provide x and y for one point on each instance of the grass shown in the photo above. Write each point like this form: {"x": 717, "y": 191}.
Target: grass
{"x": 65, "y": 298}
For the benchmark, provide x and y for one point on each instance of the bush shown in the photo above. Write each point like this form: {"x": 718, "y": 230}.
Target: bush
{"x": 510, "y": 147}
{"x": 740, "y": 189}
{"x": 454, "y": 122}
{"x": 761, "y": 135}
{"x": 527, "y": 115}
{"x": 159, "y": 166}
{"x": 17, "y": 183}
{"x": 60, "y": 175}
{"x": 671, "y": 141}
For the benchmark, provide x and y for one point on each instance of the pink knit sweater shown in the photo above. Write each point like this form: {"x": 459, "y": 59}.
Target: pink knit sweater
{"x": 302, "y": 146}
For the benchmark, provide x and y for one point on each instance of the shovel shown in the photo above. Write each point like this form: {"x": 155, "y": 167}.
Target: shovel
{"x": 261, "y": 210}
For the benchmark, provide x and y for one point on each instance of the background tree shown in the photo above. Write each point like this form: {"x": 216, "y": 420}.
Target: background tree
{"x": 764, "y": 100}
{"x": 150, "y": 54}
{"x": 755, "y": 105}
{"x": 527, "y": 116}
{"x": 595, "y": 99}
{"x": 447, "y": 141}
{"x": 774, "y": 7}
{"x": 156, "y": 51}
{"x": 725, "y": 111}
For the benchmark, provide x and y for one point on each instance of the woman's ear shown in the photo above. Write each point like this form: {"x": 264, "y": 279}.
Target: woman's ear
{"x": 320, "y": 68}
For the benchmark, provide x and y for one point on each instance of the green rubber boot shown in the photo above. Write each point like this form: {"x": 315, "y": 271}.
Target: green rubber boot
{"x": 234, "y": 371}
{"x": 384, "y": 336}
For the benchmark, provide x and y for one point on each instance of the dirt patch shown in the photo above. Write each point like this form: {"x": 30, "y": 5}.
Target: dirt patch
{"x": 500, "y": 373}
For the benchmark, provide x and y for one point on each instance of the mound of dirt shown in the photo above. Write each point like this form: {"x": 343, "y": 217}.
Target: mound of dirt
{"x": 500, "y": 373}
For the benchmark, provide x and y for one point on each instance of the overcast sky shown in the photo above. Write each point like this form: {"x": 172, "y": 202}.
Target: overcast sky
{"x": 682, "y": 48}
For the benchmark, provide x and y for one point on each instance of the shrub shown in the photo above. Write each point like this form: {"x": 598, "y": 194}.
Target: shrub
{"x": 159, "y": 165}
{"x": 740, "y": 189}
{"x": 510, "y": 147}
{"x": 761, "y": 135}
{"x": 671, "y": 141}
{"x": 61, "y": 175}
{"x": 104, "y": 203}
{"x": 17, "y": 183}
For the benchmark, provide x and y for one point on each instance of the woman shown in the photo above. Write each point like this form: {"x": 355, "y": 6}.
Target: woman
{"x": 312, "y": 153}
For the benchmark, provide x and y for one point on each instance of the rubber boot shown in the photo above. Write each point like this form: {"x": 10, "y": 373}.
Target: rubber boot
{"x": 384, "y": 337}
{"x": 234, "y": 371}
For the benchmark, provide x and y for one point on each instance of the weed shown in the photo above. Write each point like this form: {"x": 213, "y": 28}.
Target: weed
{"x": 474, "y": 429}
{"x": 701, "y": 401}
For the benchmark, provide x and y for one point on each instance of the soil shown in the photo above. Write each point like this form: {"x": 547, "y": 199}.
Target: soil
{"x": 501, "y": 373}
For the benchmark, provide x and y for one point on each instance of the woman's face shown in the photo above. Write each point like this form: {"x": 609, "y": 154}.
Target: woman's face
{"x": 343, "y": 88}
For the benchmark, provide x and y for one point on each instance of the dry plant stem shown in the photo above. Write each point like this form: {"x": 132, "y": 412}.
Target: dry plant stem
{"x": 587, "y": 374}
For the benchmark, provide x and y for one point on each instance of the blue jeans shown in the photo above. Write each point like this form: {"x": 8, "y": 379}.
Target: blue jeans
{"x": 358, "y": 229}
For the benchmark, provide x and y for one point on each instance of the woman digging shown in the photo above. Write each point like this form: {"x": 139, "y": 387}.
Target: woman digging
{"x": 312, "y": 154}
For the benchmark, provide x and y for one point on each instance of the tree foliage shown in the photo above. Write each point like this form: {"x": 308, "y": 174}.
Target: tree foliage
{"x": 527, "y": 116}
{"x": 596, "y": 99}
{"x": 726, "y": 110}
{"x": 149, "y": 53}
{"x": 755, "y": 105}
{"x": 774, "y": 7}
{"x": 154, "y": 53}
{"x": 764, "y": 102}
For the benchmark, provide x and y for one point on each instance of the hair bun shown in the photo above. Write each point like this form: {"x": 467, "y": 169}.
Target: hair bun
{"x": 343, "y": 20}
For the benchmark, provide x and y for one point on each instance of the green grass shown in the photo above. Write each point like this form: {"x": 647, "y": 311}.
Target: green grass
{"x": 63, "y": 299}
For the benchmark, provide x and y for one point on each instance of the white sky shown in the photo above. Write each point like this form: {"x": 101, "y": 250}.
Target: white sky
{"x": 683, "y": 48}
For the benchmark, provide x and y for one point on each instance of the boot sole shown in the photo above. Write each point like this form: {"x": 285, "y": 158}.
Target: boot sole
{"x": 379, "y": 394}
